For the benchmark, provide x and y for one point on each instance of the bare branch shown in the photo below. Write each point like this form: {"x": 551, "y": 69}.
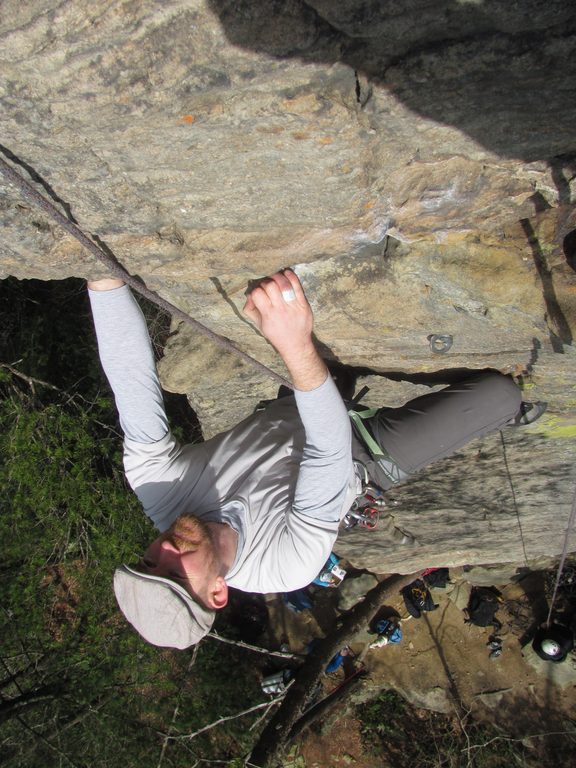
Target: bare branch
{"x": 256, "y": 648}
{"x": 47, "y": 742}
{"x": 263, "y": 716}
{"x": 263, "y": 705}
{"x": 176, "y": 708}
{"x": 30, "y": 380}
{"x": 509, "y": 738}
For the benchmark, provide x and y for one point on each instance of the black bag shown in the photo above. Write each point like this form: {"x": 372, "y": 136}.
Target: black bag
{"x": 482, "y": 607}
{"x": 417, "y": 598}
{"x": 437, "y": 577}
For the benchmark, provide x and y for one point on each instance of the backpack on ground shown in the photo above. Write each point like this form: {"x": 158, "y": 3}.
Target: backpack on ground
{"x": 436, "y": 577}
{"x": 482, "y": 607}
{"x": 417, "y": 598}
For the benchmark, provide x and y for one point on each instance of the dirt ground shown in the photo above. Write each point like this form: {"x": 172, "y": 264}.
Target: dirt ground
{"x": 442, "y": 664}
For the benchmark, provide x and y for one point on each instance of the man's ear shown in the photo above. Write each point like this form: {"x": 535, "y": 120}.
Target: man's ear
{"x": 218, "y": 595}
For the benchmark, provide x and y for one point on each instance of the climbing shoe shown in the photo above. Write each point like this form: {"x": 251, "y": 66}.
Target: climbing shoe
{"x": 528, "y": 413}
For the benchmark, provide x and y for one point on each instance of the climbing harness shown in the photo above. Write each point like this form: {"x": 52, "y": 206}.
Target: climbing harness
{"x": 382, "y": 458}
{"x": 117, "y": 270}
{"x": 365, "y": 511}
{"x": 418, "y": 598}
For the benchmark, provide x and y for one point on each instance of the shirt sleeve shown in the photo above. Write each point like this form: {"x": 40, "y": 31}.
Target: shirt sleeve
{"x": 128, "y": 361}
{"x": 326, "y": 470}
{"x": 161, "y": 472}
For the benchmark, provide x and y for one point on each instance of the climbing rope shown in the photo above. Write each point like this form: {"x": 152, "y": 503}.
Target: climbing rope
{"x": 117, "y": 270}
{"x": 569, "y": 527}
{"x": 514, "y": 500}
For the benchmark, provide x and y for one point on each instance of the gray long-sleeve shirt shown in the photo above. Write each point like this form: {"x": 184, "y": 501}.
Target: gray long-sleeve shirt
{"x": 282, "y": 478}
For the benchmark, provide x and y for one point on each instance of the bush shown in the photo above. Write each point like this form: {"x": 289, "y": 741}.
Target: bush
{"x": 408, "y": 737}
{"x": 79, "y": 686}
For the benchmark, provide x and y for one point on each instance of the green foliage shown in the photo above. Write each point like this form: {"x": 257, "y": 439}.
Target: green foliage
{"x": 64, "y": 506}
{"x": 407, "y": 737}
{"x": 78, "y": 686}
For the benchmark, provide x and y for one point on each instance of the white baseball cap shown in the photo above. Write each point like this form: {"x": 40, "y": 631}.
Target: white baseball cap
{"x": 160, "y": 609}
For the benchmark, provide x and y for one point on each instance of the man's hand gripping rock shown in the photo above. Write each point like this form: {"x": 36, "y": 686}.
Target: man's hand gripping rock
{"x": 280, "y": 310}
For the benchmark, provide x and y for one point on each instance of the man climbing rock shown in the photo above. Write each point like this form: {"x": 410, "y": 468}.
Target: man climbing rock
{"x": 258, "y": 507}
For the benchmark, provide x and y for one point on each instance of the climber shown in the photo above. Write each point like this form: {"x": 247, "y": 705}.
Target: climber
{"x": 258, "y": 507}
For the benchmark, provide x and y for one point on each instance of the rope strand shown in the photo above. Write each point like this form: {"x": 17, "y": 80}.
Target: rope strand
{"x": 571, "y": 521}
{"x": 514, "y": 500}
{"x": 117, "y": 270}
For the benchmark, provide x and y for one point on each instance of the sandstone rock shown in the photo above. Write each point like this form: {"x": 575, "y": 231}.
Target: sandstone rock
{"x": 435, "y": 699}
{"x": 493, "y": 699}
{"x": 459, "y": 594}
{"x": 415, "y": 162}
{"x": 354, "y": 589}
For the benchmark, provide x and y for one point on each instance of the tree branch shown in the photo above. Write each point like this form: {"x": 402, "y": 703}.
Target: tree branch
{"x": 510, "y": 738}
{"x": 47, "y": 742}
{"x": 176, "y": 708}
{"x": 278, "y": 732}
{"x": 189, "y": 736}
{"x": 30, "y": 380}
{"x": 256, "y": 648}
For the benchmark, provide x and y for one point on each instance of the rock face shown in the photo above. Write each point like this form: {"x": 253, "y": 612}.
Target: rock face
{"x": 415, "y": 162}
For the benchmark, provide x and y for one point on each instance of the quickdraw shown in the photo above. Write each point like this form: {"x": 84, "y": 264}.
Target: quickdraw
{"x": 365, "y": 510}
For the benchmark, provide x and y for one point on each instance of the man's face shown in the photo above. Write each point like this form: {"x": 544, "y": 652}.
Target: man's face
{"x": 186, "y": 554}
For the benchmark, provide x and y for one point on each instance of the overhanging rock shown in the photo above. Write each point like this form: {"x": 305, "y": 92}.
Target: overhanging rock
{"x": 417, "y": 165}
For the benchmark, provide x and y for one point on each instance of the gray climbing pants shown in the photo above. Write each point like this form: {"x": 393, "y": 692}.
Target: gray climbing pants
{"x": 433, "y": 426}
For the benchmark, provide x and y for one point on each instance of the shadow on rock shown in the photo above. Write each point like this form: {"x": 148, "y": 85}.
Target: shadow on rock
{"x": 541, "y": 726}
{"x": 501, "y": 72}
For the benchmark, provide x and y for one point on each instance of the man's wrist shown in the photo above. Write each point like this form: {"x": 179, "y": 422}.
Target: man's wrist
{"x": 306, "y": 368}
{"x": 106, "y": 284}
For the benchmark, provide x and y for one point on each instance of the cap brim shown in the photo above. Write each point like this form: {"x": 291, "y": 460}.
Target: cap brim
{"x": 162, "y": 611}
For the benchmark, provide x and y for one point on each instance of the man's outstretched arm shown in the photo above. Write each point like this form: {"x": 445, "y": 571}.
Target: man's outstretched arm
{"x": 128, "y": 361}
